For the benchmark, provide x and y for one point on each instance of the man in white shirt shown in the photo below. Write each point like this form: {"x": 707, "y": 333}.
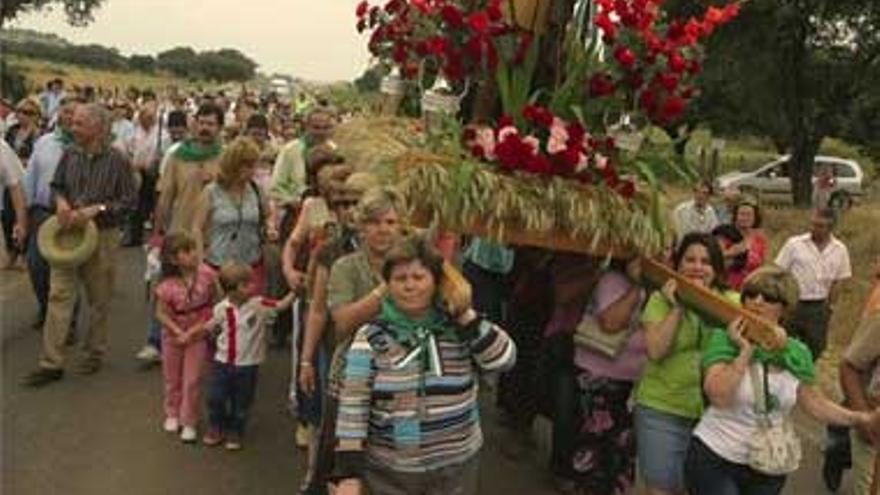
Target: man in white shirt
{"x": 696, "y": 215}
{"x": 145, "y": 149}
{"x": 819, "y": 263}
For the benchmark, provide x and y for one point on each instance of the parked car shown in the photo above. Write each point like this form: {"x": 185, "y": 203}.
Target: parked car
{"x": 771, "y": 184}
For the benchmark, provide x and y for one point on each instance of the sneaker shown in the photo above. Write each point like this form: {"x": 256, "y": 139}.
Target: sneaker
{"x": 149, "y": 353}
{"x": 171, "y": 425}
{"x": 233, "y": 442}
{"x": 302, "y": 436}
{"x": 188, "y": 434}
{"x": 212, "y": 438}
{"x": 43, "y": 376}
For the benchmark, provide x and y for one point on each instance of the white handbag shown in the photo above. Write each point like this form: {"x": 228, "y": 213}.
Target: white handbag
{"x": 774, "y": 449}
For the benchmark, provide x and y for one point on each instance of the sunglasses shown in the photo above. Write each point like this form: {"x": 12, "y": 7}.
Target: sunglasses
{"x": 752, "y": 293}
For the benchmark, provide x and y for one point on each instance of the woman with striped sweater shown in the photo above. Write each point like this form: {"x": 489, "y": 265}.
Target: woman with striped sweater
{"x": 409, "y": 418}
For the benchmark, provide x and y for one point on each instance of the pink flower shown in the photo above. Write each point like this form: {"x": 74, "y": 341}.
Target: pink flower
{"x": 558, "y": 140}
{"x": 485, "y": 139}
{"x": 533, "y": 143}
{"x": 507, "y": 131}
{"x": 601, "y": 161}
{"x": 582, "y": 163}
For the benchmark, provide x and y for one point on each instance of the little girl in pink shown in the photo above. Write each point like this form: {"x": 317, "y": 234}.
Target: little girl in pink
{"x": 185, "y": 298}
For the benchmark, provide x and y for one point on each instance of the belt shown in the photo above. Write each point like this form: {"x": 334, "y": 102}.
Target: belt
{"x": 813, "y": 301}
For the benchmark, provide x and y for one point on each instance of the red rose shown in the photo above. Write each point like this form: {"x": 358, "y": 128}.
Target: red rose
{"x": 601, "y": 85}
{"x": 625, "y": 56}
{"x": 362, "y": 8}
{"x": 452, "y": 16}
{"x": 677, "y": 63}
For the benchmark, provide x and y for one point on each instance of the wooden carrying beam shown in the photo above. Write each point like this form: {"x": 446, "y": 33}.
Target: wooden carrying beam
{"x": 707, "y": 302}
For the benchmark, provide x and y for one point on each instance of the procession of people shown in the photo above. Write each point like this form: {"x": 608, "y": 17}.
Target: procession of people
{"x": 258, "y": 231}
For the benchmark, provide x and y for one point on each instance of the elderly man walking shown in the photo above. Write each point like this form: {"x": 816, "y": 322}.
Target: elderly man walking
{"x": 93, "y": 182}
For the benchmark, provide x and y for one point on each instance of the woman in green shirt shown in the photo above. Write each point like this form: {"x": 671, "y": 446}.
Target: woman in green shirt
{"x": 669, "y": 397}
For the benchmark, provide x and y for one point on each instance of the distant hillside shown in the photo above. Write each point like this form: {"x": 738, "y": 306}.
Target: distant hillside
{"x": 223, "y": 65}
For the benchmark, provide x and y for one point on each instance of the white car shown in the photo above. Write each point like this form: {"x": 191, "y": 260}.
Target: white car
{"x": 770, "y": 182}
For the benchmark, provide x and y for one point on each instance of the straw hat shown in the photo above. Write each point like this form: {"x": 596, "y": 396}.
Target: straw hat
{"x": 66, "y": 248}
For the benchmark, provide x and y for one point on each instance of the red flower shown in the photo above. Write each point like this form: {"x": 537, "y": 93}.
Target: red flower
{"x": 677, "y": 63}
{"x": 362, "y": 8}
{"x": 601, "y": 85}
{"x": 538, "y": 164}
{"x": 362, "y": 25}
{"x": 505, "y": 121}
{"x": 478, "y": 151}
{"x": 714, "y": 15}
{"x": 394, "y": 6}
{"x": 374, "y": 15}
{"x": 626, "y": 188}
{"x": 422, "y": 5}
{"x": 494, "y": 12}
{"x": 604, "y": 22}
{"x": 538, "y": 115}
{"x": 452, "y": 16}
{"x": 668, "y": 80}
{"x": 478, "y": 22}
{"x": 675, "y": 32}
{"x": 731, "y": 11}
{"x": 567, "y": 160}
{"x": 694, "y": 67}
{"x": 576, "y": 133}
{"x": 400, "y": 53}
{"x": 673, "y": 108}
{"x": 625, "y": 56}
{"x": 512, "y": 152}
{"x": 437, "y": 45}
{"x": 648, "y": 100}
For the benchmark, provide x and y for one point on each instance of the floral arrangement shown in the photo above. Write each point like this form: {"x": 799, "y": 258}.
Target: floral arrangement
{"x": 454, "y": 37}
{"x": 550, "y": 146}
{"x": 654, "y": 64}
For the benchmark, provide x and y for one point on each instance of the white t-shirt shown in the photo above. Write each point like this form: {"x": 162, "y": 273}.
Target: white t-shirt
{"x": 11, "y": 170}
{"x": 727, "y": 431}
{"x": 241, "y": 330}
{"x": 814, "y": 270}
{"x": 688, "y": 218}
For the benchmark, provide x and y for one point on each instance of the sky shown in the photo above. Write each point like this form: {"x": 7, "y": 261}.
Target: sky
{"x": 312, "y": 39}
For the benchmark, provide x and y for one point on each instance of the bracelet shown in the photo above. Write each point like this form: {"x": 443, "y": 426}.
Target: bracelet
{"x": 306, "y": 364}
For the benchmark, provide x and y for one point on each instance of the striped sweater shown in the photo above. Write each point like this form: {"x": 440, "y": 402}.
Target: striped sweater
{"x": 395, "y": 414}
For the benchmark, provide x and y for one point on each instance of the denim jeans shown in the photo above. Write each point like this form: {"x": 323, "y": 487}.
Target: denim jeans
{"x": 230, "y": 396}
{"x": 707, "y": 473}
{"x": 38, "y": 268}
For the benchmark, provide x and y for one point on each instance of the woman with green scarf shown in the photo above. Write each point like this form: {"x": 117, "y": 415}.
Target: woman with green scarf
{"x": 409, "y": 417}
{"x": 750, "y": 390}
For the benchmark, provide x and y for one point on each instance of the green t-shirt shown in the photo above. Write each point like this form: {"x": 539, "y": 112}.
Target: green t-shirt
{"x": 672, "y": 384}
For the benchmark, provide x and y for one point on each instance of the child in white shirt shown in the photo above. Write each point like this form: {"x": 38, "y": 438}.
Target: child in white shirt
{"x": 239, "y": 323}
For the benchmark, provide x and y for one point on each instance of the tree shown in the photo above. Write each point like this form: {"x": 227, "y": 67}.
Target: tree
{"x": 794, "y": 70}
{"x": 143, "y": 63}
{"x": 370, "y": 80}
{"x": 79, "y": 12}
{"x": 181, "y": 61}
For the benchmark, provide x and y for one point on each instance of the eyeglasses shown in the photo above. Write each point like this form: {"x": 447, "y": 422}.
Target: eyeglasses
{"x": 753, "y": 293}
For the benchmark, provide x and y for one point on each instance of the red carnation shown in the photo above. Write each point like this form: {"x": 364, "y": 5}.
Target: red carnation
{"x": 538, "y": 164}
{"x": 478, "y": 151}
{"x": 677, "y": 63}
{"x": 478, "y": 22}
{"x": 675, "y": 32}
{"x": 362, "y": 9}
{"x": 576, "y": 133}
{"x": 601, "y": 85}
{"x": 625, "y": 56}
{"x": 673, "y": 107}
{"x": 648, "y": 100}
{"x": 505, "y": 121}
{"x": 538, "y": 115}
{"x": 626, "y": 188}
{"x": 567, "y": 160}
{"x": 668, "y": 80}
{"x": 393, "y": 6}
{"x": 452, "y": 16}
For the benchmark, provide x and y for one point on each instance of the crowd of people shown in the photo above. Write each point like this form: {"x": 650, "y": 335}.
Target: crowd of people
{"x": 256, "y": 234}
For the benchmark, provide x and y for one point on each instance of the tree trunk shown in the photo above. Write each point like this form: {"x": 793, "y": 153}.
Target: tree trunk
{"x": 801, "y": 169}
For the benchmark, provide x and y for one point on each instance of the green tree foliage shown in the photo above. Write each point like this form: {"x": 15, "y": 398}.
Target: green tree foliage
{"x": 797, "y": 71}
{"x": 221, "y": 65}
{"x": 79, "y": 12}
{"x": 370, "y": 80}
{"x": 143, "y": 63}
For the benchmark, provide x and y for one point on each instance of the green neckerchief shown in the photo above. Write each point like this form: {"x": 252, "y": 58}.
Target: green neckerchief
{"x": 190, "y": 151}
{"x": 795, "y": 357}
{"x": 418, "y": 337}
{"x": 64, "y": 136}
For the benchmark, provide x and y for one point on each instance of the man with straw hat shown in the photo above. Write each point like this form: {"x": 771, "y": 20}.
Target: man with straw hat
{"x": 93, "y": 184}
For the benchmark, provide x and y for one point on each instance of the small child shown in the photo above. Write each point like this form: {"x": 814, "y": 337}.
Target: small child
{"x": 184, "y": 298}
{"x": 239, "y": 322}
